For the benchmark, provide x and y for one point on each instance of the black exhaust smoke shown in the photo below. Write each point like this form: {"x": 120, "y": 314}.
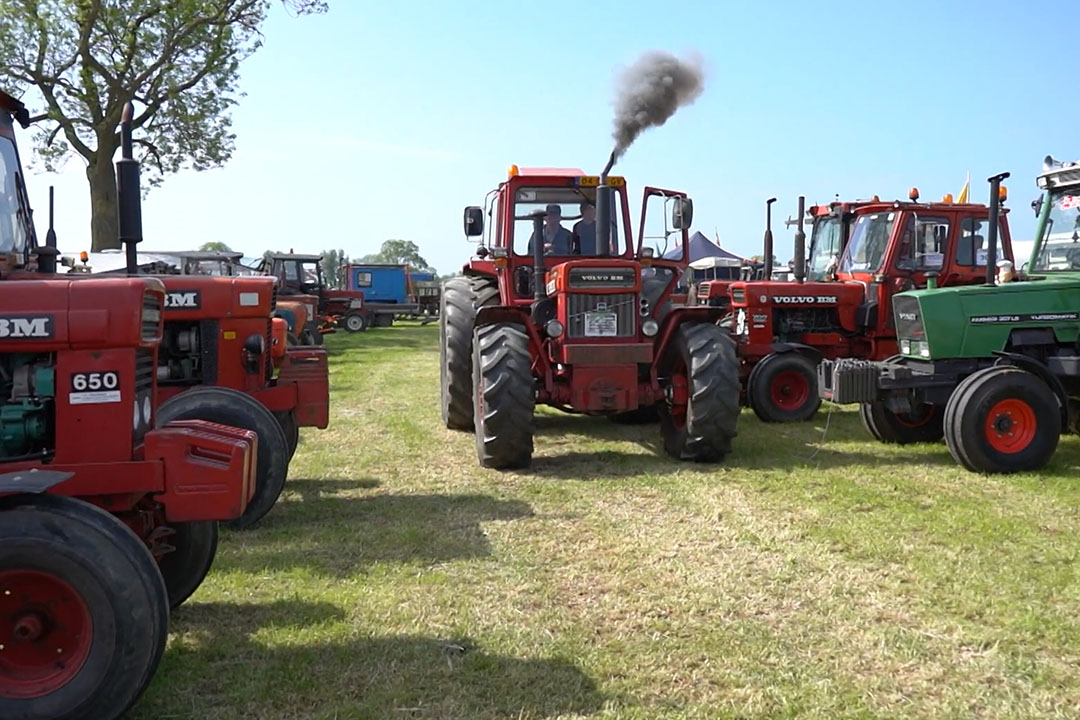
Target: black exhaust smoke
{"x": 650, "y": 91}
{"x": 647, "y": 94}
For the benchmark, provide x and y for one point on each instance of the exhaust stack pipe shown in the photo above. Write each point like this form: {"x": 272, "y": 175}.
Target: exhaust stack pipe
{"x": 539, "y": 287}
{"x": 129, "y": 202}
{"x": 768, "y": 239}
{"x": 992, "y": 235}
{"x": 603, "y": 211}
{"x": 800, "y": 243}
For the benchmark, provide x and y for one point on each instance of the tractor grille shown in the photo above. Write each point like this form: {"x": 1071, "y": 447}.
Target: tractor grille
{"x": 151, "y": 317}
{"x": 624, "y": 305}
{"x": 738, "y": 296}
{"x": 144, "y": 388}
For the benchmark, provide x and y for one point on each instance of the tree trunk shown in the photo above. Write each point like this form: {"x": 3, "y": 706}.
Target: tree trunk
{"x": 104, "y": 223}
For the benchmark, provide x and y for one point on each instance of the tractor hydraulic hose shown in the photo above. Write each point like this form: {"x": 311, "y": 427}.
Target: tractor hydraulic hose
{"x": 800, "y": 243}
{"x": 992, "y": 236}
{"x": 768, "y": 239}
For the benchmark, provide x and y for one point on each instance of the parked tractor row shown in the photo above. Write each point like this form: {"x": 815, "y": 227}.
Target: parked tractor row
{"x": 137, "y": 410}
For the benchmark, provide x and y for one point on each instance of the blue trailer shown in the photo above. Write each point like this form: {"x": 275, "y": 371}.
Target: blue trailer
{"x": 387, "y": 292}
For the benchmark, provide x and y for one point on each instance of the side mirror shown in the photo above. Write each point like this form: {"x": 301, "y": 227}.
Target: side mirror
{"x": 1036, "y": 205}
{"x": 682, "y": 215}
{"x": 474, "y": 221}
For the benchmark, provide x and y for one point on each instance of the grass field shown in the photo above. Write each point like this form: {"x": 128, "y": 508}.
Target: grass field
{"x": 815, "y": 574}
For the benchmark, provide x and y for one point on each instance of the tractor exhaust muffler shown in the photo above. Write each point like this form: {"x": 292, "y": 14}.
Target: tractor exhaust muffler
{"x": 800, "y": 244}
{"x": 992, "y": 235}
{"x": 603, "y": 210}
{"x": 129, "y": 202}
{"x": 768, "y": 250}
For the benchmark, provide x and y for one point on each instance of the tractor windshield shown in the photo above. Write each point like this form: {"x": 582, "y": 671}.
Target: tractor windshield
{"x": 1060, "y": 248}
{"x": 869, "y": 241}
{"x": 826, "y": 244}
{"x": 570, "y": 221}
{"x": 12, "y": 222}
{"x": 208, "y": 267}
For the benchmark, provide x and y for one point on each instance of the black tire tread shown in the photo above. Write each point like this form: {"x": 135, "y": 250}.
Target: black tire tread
{"x": 184, "y": 568}
{"x": 458, "y": 302}
{"x": 503, "y": 377}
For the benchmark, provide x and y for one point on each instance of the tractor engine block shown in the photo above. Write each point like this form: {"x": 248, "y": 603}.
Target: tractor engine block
{"x": 180, "y": 356}
{"x": 28, "y": 389}
{"x": 791, "y": 325}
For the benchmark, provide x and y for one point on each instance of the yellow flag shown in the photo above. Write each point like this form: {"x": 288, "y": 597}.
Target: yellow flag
{"x": 963, "y": 196}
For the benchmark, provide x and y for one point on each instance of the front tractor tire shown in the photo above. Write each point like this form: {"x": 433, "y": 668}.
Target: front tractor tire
{"x": 231, "y": 407}
{"x": 185, "y": 566}
{"x": 699, "y": 420}
{"x": 460, "y": 299}
{"x": 505, "y": 396}
{"x": 84, "y": 614}
{"x": 921, "y": 425}
{"x": 355, "y": 322}
{"x": 783, "y": 387}
{"x": 1002, "y": 420}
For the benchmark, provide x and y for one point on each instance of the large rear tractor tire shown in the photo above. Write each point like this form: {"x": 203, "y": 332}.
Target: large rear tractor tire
{"x": 458, "y": 303}
{"x": 1003, "y": 420}
{"x": 84, "y": 615}
{"x": 922, "y": 425}
{"x": 287, "y": 420}
{"x": 232, "y": 407}
{"x": 783, "y": 387}
{"x": 505, "y": 396}
{"x": 185, "y": 567}
{"x": 707, "y": 369}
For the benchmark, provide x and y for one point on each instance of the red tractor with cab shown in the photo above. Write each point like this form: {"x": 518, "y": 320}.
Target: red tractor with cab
{"x": 303, "y": 275}
{"x": 581, "y": 321}
{"x": 862, "y": 253}
{"x": 108, "y": 516}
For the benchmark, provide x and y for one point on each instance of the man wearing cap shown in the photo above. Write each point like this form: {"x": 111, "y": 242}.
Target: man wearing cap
{"x": 556, "y": 237}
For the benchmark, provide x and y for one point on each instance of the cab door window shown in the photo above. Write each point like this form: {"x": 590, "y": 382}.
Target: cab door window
{"x": 971, "y": 249}
{"x": 923, "y": 244}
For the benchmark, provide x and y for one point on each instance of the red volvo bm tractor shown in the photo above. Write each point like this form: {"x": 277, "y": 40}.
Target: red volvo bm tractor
{"x": 783, "y": 329}
{"x": 108, "y": 518}
{"x": 580, "y": 321}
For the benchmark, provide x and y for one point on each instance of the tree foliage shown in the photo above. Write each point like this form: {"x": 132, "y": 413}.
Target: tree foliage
{"x": 177, "y": 61}
{"x": 334, "y": 262}
{"x": 215, "y": 246}
{"x": 399, "y": 252}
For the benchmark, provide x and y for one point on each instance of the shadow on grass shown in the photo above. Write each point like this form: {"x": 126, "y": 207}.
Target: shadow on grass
{"x": 240, "y": 668}
{"x": 758, "y": 445}
{"x": 337, "y": 535}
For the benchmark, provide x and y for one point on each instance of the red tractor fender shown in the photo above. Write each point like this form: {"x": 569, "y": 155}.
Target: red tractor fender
{"x": 492, "y": 315}
{"x": 809, "y": 351}
{"x": 671, "y": 322}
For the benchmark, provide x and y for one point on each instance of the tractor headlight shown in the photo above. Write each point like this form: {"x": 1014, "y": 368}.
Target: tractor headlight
{"x": 147, "y": 410}
{"x": 924, "y": 349}
{"x": 905, "y": 347}
{"x": 554, "y": 328}
{"x": 650, "y": 327}
{"x": 138, "y": 418}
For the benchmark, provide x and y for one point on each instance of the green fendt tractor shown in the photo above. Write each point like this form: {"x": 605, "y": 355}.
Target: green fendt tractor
{"x": 1002, "y": 358}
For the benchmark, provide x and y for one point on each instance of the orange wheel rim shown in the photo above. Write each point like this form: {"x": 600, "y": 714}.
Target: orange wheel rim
{"x": 1010, "y": 426}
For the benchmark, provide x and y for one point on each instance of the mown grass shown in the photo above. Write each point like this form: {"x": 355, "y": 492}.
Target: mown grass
{"x": 815, "y": 574}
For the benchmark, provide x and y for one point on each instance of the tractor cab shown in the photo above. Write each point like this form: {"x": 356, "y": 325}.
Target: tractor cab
{"x": 217, "y": 263}
{"x": 17, "y": 238}
{"x": 561, "y": 304}
{"x": 298, "y": 274}
{"x": 783, "y": 329}
{"x": 301, "y": 277}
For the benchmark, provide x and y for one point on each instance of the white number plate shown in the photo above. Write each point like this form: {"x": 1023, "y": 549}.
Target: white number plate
{"x": 601, "y": 324}
{"x": 91, "y": 388}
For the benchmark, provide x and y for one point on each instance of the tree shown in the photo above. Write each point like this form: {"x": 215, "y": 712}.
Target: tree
{"x": 334, "y": 262}
{"x": 176, "y": 60}
{"x": 215, "y": 247}
{"x": 399, "y": 252}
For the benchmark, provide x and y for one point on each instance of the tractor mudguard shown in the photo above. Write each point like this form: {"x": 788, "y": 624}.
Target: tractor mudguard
{"x": 31, "y": 481}
{"x": 495, "y": 314}
{"x": 786, "y": 347}
{"x": 672, "y": 321}
{"x": 1036, "y": 368}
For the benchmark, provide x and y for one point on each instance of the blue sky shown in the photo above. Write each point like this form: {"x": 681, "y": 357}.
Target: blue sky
{"x": 383, "y": 120}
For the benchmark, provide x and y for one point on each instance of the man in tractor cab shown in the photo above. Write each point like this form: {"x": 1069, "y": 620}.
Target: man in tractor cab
{"x": 556, "y": 238}
{"x": 584, "y": 235}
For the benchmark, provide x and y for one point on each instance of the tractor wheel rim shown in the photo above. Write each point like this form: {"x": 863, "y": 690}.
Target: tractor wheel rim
{"x": 789, "y": 390}
{"x": 45, "y": 633}
{"x": 1010, "y": 426}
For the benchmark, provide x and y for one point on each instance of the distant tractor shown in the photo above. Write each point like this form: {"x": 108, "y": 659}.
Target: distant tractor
{"x": 425, "y": 292}
{"x": 862, "y": 254}
{"x": 585, "y": 327}
{"x": 302, "y": 275}
{"x": 998, "y": 362}
{"x": 712, "y": 279}
{"x": 108, "y": 516}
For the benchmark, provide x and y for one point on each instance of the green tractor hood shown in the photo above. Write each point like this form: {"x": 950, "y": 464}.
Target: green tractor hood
{"x": 977, "y": 320}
